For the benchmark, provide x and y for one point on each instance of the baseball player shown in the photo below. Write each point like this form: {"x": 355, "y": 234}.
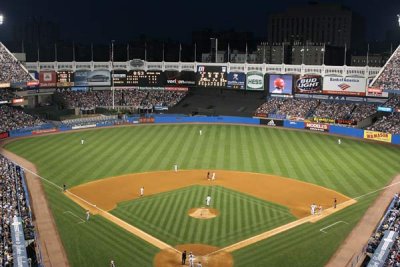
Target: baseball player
{"x": 87, "y": 215}
{"x": 112, "y": 263}
{"x": 339, "y": 141}
{"x": 334, "y": 203}
{"x": 213, "y": 176}
{"x": 176, "y": 167}
{"x": 184, "y": 257}
{"x": 82, "y": 141}
{"x": 191, "y": 259}
{"x": 200, "y": 132}
{"x": 64, "y": 187}
{"x": 199, "y": 264}
{"x": 141, "y": 191}
{"x": 208, "y": 201}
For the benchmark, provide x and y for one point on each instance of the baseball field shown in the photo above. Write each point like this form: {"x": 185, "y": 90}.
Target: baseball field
{"x": 267, "y": 178}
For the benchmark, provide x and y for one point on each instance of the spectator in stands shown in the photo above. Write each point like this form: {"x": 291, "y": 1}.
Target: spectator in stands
{"x": 10, "y": 69}
{"x": 12, "y": 203}
{"x": 387, "y": 124}
{"x": 389, "y": 79}
{"x": 13, "y": 118}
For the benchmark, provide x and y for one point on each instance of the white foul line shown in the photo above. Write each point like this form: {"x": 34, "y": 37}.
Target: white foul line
{"x": 73, "y": 214}
{"x": 322, "y": 229}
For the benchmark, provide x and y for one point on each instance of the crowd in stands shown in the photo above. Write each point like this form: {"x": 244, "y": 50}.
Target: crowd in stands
{"x": 334, "y": 110}
{"x": 6, "y": 95}
{"x": 297, "y": 108}
{"x": 10, "y": 69}
{"x": 127, "y": 98}
{"x": 390, "y": 222}
{"x": 363, "y": 111}
{"x": 12, "y": 203}
{"x": 387, "y": 124}
{"x": 13, "y": 118}
{"x": 271, "y": 106}
{"x": 393, "y": 102}
{"x": 389, "y": 79}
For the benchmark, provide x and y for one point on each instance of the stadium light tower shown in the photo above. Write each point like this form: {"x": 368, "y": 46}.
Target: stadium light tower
{"x": 398, "y": 19}
{"x": 1, "y": 19}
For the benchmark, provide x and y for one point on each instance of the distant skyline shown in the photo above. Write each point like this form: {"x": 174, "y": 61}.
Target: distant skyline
{"x": 122, "y": 20}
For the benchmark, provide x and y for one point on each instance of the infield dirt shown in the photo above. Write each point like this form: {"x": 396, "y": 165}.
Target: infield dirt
{"x": 294, "y": 194}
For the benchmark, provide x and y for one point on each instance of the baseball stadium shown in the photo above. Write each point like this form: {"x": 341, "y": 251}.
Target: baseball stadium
{"x": 139, "y": 163}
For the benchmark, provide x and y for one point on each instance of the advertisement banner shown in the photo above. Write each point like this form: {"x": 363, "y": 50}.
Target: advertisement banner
{"x": 324, "y": 120}
{"x": 183, "y": 78}
{"x": 378, "y": 136}
{"x": 3, "y": 135}
{"x": 211, "y": 76}
{"x": 308, "y": 84}
{"x": 80, "y": 78}
{"x": 99, "y": 78}
{"x": 352, "y": 86}
{"x": 48, "y": 79}
{"x": 65, "y": 78}
{"x": 236, "y": 80}
{"x": 43, "y": 131}
{"x": 255, "y": 81}
{"x": 178, "y": 89}
{"x": 83, "y": 126}
{"x": 281, "y": 84}
{"x": 320, "y": 127}
{"x": 376, "y": 92}
{"x": 271, "y": 122}
{"x": 146, "y": 120}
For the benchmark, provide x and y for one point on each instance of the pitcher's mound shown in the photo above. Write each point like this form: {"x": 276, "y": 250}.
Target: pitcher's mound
{"x": 173, "y": 258}
{"x": 203, "y": 213}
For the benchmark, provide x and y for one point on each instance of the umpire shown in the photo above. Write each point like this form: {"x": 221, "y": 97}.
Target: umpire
{"x": 184, "y": 257}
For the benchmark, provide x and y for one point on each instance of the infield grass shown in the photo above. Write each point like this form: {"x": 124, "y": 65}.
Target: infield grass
{"x": 165, "y": 215}
{"x": 353, "y": 168}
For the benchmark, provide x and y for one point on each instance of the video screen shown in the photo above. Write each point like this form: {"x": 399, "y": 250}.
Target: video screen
{"x": 211, "y": 76}
{"x": 281, "y": 84}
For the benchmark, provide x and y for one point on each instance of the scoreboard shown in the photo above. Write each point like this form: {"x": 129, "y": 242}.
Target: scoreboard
{"x": 119, "y": 77}
{"x": 65, "y": 78}
{"x": 211, "y": 76}
{"x": 145, "y": 78}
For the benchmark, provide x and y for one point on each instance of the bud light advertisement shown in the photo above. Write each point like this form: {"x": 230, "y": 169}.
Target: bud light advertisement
{"x": 255, "y": 81}
{"x": 281, "y": 84}
{"x": 309, "y": 84}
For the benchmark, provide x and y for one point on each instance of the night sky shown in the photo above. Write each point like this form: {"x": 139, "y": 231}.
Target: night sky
{"x": 122, "y": 20}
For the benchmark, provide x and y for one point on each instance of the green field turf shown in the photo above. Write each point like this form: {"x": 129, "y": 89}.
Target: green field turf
{"x": 165, "y": 216}
{"x": 353, "y": 168}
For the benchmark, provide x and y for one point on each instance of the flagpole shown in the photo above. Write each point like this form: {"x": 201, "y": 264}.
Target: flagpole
{"x": 246, "y": 54}
{"x": 195, "y": 52}
{"x": 163, "y": 52}
{"x": 367, "y": 56}
{"x": 345, "y": 54}
{"x": 180, "y": 51}
{"x": 264, "y": 52}
{"x": 127, "y": 52}
{"x": 145, "y": 51}
{"x": 55, "y": 52}
{"x": 283, "y": 53}
{"x": 73, "y": 51}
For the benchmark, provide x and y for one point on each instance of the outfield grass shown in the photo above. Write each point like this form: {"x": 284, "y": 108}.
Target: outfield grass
{"x": 353, "y": 168}
{"x": 165, "y": 216}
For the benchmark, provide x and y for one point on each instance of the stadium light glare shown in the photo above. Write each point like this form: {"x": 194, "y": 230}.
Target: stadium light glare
{"x": 1, "y": 19}
{"x": 398, "y": 19}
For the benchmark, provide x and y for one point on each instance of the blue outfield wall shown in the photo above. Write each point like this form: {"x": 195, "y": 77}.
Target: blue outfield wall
{"x": 216, "y": 119}
{"x": 293, "y": 124}
{"x": 396, "y": 139}
{"x": 353, "y": 132}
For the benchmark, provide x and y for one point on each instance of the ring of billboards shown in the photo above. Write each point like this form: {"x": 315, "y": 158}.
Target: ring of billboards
{"x": 210, "y": 77}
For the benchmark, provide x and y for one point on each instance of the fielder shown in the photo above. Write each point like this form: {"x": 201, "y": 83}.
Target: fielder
{"x": 141, "y": 191}
{"x": 208, "y": 201}
{"x": 339, "y": 141}
{"x": 200, "y": 132}
{"x": 112, "y": 263}
{"x": 213, "y": 176}
{"x": 82, "y": 141}
{"x": 87, "y": 215}
{"x": 176, "y": 167}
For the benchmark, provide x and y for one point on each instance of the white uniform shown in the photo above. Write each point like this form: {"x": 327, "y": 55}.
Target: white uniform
{"x": 141, "y": 191}
{"x": 208, "y": 200}
{"x": 200, "y": 132}
{"x": 191, "y": 260}
{"x": 87, "y": 215}
{"x": 112, "y": 264}
{"x": 313, "y": 209}
{"x": 82, "y": 141}
{"x": 213, "y": 176}
{"x": 339, "y": 141}
{"x": 176, "y": 167}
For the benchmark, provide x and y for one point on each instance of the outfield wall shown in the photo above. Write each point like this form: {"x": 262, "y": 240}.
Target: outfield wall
{"x": 179, "y": 118}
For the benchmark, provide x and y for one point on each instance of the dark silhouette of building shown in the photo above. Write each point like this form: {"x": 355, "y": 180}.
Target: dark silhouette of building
{"x": 332, "y": 24}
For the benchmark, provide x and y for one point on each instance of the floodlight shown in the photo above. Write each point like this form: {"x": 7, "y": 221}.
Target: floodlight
{"x": 1, "y": 19}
